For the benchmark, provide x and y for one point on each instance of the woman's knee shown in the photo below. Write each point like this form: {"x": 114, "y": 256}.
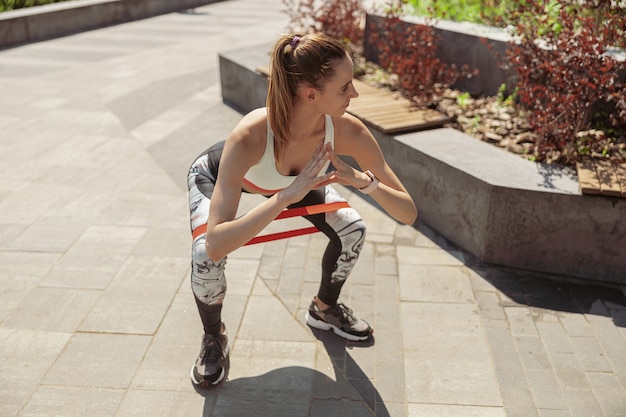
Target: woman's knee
{"x": 208, "y": 281}
{"x": 350, "y": 229}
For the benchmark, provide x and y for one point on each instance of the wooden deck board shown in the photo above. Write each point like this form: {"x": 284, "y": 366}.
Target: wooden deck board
{"x": 608, "y": 178}
{"x": 598, "y": 176}
{"x": 621, "y": 178}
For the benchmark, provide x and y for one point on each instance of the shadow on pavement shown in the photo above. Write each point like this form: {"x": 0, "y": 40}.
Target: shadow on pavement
{"x": 300, "y": 391}
{"x": 558, "y": 294}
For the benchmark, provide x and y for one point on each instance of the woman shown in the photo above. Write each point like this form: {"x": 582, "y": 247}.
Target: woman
{"x": 283, "y": 152}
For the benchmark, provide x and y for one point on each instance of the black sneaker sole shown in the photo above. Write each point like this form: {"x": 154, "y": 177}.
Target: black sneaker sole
{"x": 206, "y": 383}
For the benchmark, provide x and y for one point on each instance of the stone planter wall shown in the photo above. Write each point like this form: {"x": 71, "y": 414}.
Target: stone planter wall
{"x": 49, "y": 21}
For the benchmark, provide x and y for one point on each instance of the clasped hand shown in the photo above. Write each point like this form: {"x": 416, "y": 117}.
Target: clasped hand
{"x": 310, "y": 177}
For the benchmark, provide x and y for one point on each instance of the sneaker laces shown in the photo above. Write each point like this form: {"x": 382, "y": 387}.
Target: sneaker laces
{"x": 346, "y": 313}
{"x": 212, "y": 349}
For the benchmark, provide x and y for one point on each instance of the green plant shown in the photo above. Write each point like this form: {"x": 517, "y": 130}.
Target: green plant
{"x": 475, "y": 11}
{"x": 410, "y": 52}
{"x": 565, "y": 75}
{"x": 462, "y": 99}
{"x": 504, "y": 97}
{"x": 6, "y": 5}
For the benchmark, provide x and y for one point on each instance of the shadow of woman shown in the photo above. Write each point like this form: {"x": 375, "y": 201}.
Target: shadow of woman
{"x": 295, "y": 391}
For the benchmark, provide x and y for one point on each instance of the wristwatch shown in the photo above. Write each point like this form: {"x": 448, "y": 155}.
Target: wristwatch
{"x": 372, "y": 185}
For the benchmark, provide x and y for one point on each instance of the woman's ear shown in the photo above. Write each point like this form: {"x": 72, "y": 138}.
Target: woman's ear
{"x": 309, "y": 94}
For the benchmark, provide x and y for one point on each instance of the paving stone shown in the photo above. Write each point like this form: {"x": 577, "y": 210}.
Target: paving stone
{"x": 435, "y": 284}
{"x": 330, "y": 382}
{"x": 360, "y": 363}
{"x": 107, "y": 361}
{"x": 544, "y": 315}
{"x": 545, "y": 389}
{"x": 53, "y": 232}
{"x": 610, "y": 393}
{"x": 167, "y": 241}
{"x": 554, "y": 337}
{"x": 554, "y": 413}
{"x": 437, "y": 410}
{"x": 21, "y": 271}
{"x": 26, "y": 356}
{"x": 290, "y": 282}
{"x": 582, "y": 403}
{"x": 73, "y": 402}
{"x": 391, "y": 409}
{"x": 531, "y": 352}
{"x": 240, "y": 275}
{"x": 521, "y": 321}
{"x": 575, "y": 325}
{"x": 365, "y": 269}
{"x": 142, "y": 290}
{"x": 261, "y": 289}
{"x": 590, "y": 355}
{"x": 144, "y": 403}
{"x": 611, "y": 340}
{"x": 52, "y": 309}
{"x": 447, "y": 352}
{"x": 268, "y": 378}
{"x": 385, "y": 260}
{"x": 321, "y": 408}
{"x": 269, "y": 267}
{"x": 406, "y": 235}
{"x": 426, "y": 256}
{"x": 267, "y": 319}
{"x": 569, "y": 372}
{"x": 84, "y": 270}
{"x": 499, "y": 335}
{"x": 489, "y": 305}
{"x": 516, "y": 396}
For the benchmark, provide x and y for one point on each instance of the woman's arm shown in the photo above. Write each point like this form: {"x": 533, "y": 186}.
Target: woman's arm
{"x": 355, "y": 140}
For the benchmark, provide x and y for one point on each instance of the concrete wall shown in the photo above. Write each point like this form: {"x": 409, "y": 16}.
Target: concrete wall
{"x": 460, "y": 44}
{"x": 509, "y": 211}
{"x": 243, "y": 88}
{"x": 39, "y": 23}
{"x": 499, "y": 207}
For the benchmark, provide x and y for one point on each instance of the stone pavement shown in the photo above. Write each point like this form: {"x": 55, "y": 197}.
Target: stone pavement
{"x": 96, "y": 312}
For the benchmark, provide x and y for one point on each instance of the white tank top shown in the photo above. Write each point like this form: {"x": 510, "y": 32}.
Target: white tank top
{"x": 265, "y": 178}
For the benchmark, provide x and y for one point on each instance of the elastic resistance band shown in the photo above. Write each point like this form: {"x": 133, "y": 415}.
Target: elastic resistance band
{"x": 285, "y": 214}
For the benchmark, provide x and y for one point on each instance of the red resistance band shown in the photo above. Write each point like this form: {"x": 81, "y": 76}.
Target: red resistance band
{"x": 285, "y": 214}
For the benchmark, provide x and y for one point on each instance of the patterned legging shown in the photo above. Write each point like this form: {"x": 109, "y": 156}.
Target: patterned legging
{"x": 344, "y": 228}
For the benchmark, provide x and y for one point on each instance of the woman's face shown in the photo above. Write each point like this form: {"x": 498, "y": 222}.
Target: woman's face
{"x": 339, "y": 90}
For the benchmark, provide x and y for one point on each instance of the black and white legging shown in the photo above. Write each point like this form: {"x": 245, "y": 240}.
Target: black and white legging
{"x": 344, "y": 228}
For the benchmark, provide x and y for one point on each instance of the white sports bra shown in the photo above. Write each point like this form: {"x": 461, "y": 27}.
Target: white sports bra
{"x": 265, "y": 178}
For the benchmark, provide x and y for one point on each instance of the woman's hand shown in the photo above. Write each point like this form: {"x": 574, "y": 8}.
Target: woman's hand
{"x": 347, "y": 175}
{"x": 309, "y": 178}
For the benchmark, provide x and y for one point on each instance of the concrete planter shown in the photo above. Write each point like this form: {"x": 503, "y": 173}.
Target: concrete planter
{"x": 49, "y": 21}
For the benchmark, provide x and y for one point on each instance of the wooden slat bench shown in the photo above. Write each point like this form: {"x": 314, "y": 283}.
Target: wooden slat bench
{"x": 387, "y": 111}
{"x": 598, "y": 176}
